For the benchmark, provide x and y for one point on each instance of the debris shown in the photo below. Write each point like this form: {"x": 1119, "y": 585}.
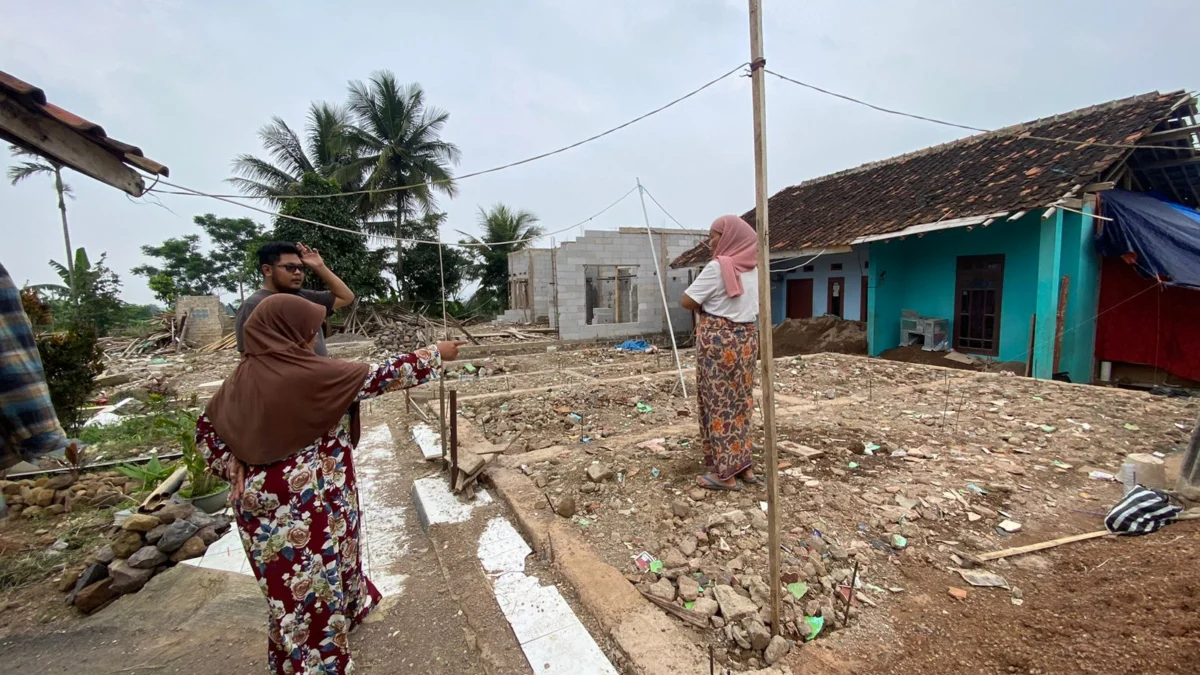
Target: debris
{"x": 643, "y": 560}
{"x": 656, "y": 566}
{"x": 976, "y": 489}
{"x": 815, "y": 624}
{"x": 899, "y": 541}
{"x": 733, "y": 606}
{"x": 1060, "y": 464}
{"x": 852, "y": 465}
{"x": 139, "y": 522}
{"x": 663, "y": 589}
{"x": 802, "y": 451}
{"x": 798, "y": 589}
{"x": 565, "y": 507}
{"x": 644, "y": 408}
{"x": 705, "y": 607}
{"x": 1009, "y": 526}
{"x": 655, "y": 473}
{"x": 147, "y": 558}
{"x": 777, "y": 649}
{"x": 1101, "y": 475}
{"x": 958, "y": 593}
{"x": 981, "y": 578}
{"x": 1131, "y": 427}
{"x": 598, "y": 473}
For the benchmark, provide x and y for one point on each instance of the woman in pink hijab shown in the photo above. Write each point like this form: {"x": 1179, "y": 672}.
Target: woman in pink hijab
{"x": 726, "y": 296}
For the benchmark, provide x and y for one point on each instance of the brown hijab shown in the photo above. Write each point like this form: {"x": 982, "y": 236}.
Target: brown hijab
{"x": 282, "y": 396}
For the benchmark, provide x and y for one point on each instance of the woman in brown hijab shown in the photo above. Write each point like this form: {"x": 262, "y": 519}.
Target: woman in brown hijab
{"x": 282, "y": 430}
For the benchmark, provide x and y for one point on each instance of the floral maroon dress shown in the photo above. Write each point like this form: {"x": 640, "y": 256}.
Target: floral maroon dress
{"x": 299, "y": 520}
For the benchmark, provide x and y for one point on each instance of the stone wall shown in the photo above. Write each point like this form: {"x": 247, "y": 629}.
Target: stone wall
{"x": 205, "y": 323}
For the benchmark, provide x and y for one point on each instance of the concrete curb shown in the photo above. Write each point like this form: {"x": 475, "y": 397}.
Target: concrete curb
{"x": 651, "y": 642}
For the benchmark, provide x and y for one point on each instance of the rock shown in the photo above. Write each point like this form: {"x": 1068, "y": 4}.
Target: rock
{"x": 140, "y": 522}
{"x": 173, "y": 512}
{"x": 717, "y": 622}
{"x": 33, "y": 512}
{"x": 177, "y": 533}
{"x": 94, "y": 596}
{"x": 60, "y": 482}
{"x": 958, "y": 593}
{"x": 126, "y": 579}
{"x": 733, "y": 606}
{"x": 107, "y": 498}
{"x": 738, "y": 635}
{"x": 42, "y": 497}
{"x": 540, "y": 481}
{"x": 565, "y": 507}
{"x": 873, "y": 498}
{"x": 857, "y": 447}
{"x": 208, "y": 535}
{"x": 756, "y": 633}
{"x": 758, "y": 520}
{"x": 201, "y": 520}
{"x": 803, "y": 630}
{"x": 680, "y": 509}
{"x": 56, "y": 510}
{"x": 698, "y": 494}
{"x": 662, "y": 589}
{"x": 105, "y": 555}
{"x": 687, "y": 545}
{"x": 221, "y": 523}
{"x": 777, "y": 649}
{"x": 673, "y": 558}
{"x": 126, "y": 544}
{"x": 147, "y": 558}
{"x": 90, "y": 575}
{"x": 736, "y": 518}
{"x": 598, "y": 473}
{"x": 689, "y": 590}
{"x": 706, "y": 607}
{"x": 154, "y": 535}
{"x": 589, "y": 488}
{"x": 192, "y": 548}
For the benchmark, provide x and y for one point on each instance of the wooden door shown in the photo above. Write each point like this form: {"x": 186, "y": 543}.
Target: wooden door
{"x": 837, "y": 297}
{"x": 862, "y": 299}
{"x": 799, "y": 298}
{"x": 978, "y": 288}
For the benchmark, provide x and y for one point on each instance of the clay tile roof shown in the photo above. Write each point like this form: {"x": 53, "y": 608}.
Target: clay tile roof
{"x": 35, "y": 99}
{"x": 987, "y": 173}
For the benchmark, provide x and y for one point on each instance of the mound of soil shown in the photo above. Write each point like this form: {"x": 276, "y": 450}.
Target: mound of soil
{"x": 820, "y": 334}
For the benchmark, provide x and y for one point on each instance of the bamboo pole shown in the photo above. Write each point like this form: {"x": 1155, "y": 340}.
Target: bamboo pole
{"x": 765, "y": 347}
{"x": 662, "y": 288}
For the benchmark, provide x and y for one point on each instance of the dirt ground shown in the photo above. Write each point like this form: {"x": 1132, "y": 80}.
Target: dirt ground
{"x": 819, "y": 334}
{"x": 917, "y": 465}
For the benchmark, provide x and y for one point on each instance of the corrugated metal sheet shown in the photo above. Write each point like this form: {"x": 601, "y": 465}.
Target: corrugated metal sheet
{"x": 35, "y": 99}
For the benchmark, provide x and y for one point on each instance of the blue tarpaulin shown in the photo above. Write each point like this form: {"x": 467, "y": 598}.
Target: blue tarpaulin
{"x": 1159, "y": 238}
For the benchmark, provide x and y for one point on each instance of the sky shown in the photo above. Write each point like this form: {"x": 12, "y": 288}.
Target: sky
{"x": 191, "y": 83}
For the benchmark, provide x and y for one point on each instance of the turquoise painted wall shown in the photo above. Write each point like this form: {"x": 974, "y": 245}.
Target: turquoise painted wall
{"x": 918, "y": 273}
{"x": 1080, "y": 262}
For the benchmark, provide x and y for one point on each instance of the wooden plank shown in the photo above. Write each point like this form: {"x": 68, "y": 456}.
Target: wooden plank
{"x": 1158, "y": 137}
{"x": 1020, "y": 550}
{"x": 758, "y": 89}
{"x": 1059, "y": 320}
{"x": 1032, "y": 344}
{"x": 1100, "y": 187}
{"x": 59, "y": 142}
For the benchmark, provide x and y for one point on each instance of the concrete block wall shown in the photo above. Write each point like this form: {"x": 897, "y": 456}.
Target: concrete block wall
{"x": 526, "y": 265}
{"x": 625, "y": 247}
{"x": 204, "y": 324}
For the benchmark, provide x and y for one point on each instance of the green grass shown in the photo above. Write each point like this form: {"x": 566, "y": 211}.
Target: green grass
{"x": 82, "y": 533}
{"x": 133, "y": 436}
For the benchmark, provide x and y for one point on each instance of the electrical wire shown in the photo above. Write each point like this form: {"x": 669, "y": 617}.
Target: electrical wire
{"x": 1014, "y": 133}
{"x": 494, "y": 169}
{"x": 806, "y": 262}
{"x": 198, "y": 193}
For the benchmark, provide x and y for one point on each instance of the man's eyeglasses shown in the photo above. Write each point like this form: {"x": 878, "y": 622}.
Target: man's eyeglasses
{"x": 292, "y": 268}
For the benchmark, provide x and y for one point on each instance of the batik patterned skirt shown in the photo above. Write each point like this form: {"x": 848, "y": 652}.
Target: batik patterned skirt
{"x": 725, "y": 359}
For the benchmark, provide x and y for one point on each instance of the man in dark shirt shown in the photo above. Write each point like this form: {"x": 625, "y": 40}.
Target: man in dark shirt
{"x": 283, "y": 265}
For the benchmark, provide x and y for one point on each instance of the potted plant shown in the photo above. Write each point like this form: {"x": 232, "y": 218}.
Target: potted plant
{"x": 204, "y": 490}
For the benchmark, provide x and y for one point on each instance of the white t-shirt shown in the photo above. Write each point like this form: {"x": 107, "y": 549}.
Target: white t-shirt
{"x": 709, "y": 291}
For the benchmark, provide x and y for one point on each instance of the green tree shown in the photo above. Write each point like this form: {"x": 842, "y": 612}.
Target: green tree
{"x": 36, "y": 165}
{"x": 421, "y": 277}
{"x": 501, "y": 224}
{"x": 396, "y": 141}
{"x": 88, "y": 299}
{"x": 232, "y": 239}
{"x": 346, "y": 253}
{"x": 185, "y": 270}
{"x": 324, "y": 150}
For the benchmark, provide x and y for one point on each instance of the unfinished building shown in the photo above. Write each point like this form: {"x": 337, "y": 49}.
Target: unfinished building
{"x": 604, "y": 284}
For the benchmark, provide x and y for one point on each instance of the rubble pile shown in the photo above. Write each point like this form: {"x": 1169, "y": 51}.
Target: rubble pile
{"x": 49, "y": 496}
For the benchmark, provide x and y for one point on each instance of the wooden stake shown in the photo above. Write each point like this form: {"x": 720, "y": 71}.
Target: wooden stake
{"x": 765, "y": 344}
{"x": 453, "y": 437}
{"x": 1060, "y": 319}
{"x": 442, "y": 411}
{"x": 1032, "y": 344}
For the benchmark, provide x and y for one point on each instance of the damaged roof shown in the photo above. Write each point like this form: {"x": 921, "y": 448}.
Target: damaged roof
{"x": 33, "y": 99}
{"x": 998, "y": 171}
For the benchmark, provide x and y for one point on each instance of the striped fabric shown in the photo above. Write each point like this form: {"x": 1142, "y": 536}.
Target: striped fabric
{"x": 28, "y": 424}
{"x": 1142, "y": 511}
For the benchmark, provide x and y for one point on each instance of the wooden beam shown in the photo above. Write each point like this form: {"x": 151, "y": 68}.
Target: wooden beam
{"x": 1168, "y": 163}
{"x": 1169, "y": 135}
{"x": 54, "y": 140}
{"x": 1099, "y": 187}
{"x": 758, "y": 89}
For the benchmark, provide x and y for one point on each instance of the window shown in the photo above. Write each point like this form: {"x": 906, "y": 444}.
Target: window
{"x": 978, "y": 288}
{"x": 611, "y": 294}
{"x": 810, "y": 268}
{"x": 835, "y": 267}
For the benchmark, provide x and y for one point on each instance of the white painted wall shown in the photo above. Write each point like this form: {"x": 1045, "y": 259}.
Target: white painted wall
{"x": 854, "y": 268}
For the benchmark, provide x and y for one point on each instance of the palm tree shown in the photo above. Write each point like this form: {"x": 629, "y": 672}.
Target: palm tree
{"x": 397, "y": 140}
{"x": 37, "y": 165}
{"x": 502, "y": 224}
{"x": 324, "y": 150}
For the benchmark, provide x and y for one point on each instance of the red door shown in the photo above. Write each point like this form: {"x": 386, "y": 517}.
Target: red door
{"x": 799, "y": 298}
{"x": 837, "y": 297}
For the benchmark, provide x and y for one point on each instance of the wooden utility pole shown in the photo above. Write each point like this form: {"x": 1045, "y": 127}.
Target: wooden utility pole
{"x": 765, "y": 348}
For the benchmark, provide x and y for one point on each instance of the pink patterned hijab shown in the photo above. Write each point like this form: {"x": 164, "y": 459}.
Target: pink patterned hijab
{"x": 737, "y": 251}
